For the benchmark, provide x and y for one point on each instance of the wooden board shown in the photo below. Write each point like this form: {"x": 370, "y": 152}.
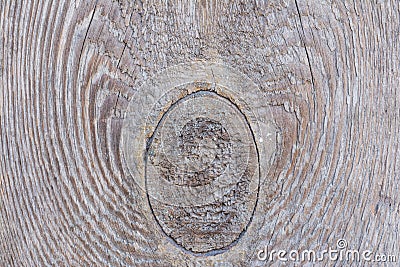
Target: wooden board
{"x": 198, "y": 133}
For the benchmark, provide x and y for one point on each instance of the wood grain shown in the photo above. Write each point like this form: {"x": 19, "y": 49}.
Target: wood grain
{"x": 326, "y": 71}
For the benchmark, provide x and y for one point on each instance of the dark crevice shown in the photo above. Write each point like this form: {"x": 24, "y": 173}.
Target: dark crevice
{"x": 87, "y": 32}
{"x": 302, "y": 37}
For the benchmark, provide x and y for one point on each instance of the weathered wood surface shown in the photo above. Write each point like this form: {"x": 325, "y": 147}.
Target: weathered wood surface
{"x": 327, "y": 72}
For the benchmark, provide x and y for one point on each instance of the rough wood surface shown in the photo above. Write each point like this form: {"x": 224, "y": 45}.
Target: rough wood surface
{"x": 321, "y": 78}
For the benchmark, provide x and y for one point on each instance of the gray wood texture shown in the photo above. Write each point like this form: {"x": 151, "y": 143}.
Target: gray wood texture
{"x": 81, "y": 79}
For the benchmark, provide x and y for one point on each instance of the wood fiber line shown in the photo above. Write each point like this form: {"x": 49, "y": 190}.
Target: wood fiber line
{"x": 327, "y": 73}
